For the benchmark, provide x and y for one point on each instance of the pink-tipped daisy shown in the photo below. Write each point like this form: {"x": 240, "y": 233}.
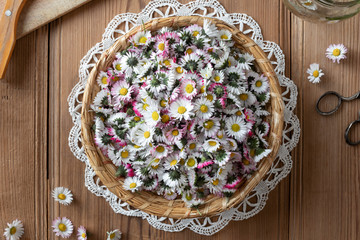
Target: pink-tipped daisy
{"x": 81, "y": 233}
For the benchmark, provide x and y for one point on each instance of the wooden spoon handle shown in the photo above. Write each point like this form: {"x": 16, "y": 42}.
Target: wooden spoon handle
{"x": 8, "y": 23}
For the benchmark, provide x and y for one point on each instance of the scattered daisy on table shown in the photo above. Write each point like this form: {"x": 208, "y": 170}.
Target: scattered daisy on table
{"x": 81, "y": 233}
{"x": 14, "y": 231}
{"x": 315, "y": 73}
{"x": 114, "y": 235}
{"x": 336, "y": 52}
{"x": 62, "y": 195}
{"x": 62, "y": 227}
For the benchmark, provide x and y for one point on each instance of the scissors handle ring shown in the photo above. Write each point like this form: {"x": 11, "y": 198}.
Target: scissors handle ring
{"x": 339, "y": 97}
{"x": 347, "y": 131}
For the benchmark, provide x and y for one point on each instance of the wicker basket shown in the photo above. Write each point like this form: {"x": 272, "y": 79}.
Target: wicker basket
{"x": 150, "y": 202}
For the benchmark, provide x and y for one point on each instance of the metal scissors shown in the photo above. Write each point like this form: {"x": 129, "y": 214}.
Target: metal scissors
{"x": 340, "y": 100}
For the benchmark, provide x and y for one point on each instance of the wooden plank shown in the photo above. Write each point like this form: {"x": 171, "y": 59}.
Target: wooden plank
{"x": 23, "y": 124}
{"x": 325, "y": 178}
{"x": 37, "y": 13}
{"x": 70, "y": 39}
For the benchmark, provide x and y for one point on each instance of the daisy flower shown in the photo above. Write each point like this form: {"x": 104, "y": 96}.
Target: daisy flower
{"x": 177, "y": 71}
{"x": 247, "y": 98}
{"x": 132, "y": 184}
{"x": 174, "y": 178}
{"x": 14, "y": 231}
{"x": 210, "y": 127}
{"x": 260, "y": 84}
{"x": 81, "y": 233}
{"x": 204, "y": 108}
{"x": 152, "y": 115}
{"x": 215, "y": 185}
{"x": 124, "y": 155}
{"x": 191, "y": 62}
{"x": 141, "y": 38}
{"x": 224, "y": 35}
{"x": 245, "y": 61}
{"x": 206, "y": 72}
{"x": 114, "y": 235}
{"x": 103, "y": 79}
{"x": 336, "y": 52}
{"x": 315, "y": 73}
{"x": 191, "y": 162}
{"x": 265, "y": 153}
{"x": 231, "y": 144}
{"x": 173, "y": 135}
{"x": 62, "y": 227}
{"x": 211, "y": 145}
{"x": 129, "y": 62}
{"x": 142, "y": 134}
{"x": 218, "y": 76}
{"x": 162, "y": 46}
{"x": 160, "y": 151}
{"x": 117, "y": 66}
{"x": 210, "y": 29}
{"x": 237, "y": 128}
{"x": 188, "y": 88}
{"x": 170, "y": 194}
{"x": 122, "y": 90}
{"x": 181, "y": 109}
{"x": 62, "y": 195}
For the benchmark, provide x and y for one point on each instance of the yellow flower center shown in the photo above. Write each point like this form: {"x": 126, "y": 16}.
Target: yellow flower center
{"x": 202, "y": 89}
{"x": 308, "y": 3}
{"x": 136, "y": 119}
{"x": 147, "y": 134}
{"x": 173, "y": 162}
{"x": 204, "y": 109}
{"x": 246, "y": 162}
{"x": 163, "y": 103}
{"x": 12, "y": 230}
{"x": 208, "y": 124}
{"x": 175, "y": 132}
{"x": 143, "y": 39}
{"x": 155, "y": 116}
{"x": 136, "y": 146}
{"x": 62, "y": 227}
{"x": 132, "y": 185}
{"x": 179, "y": 70}
{"x": 124, "y": 154}
{"x": 224, "y": 36}
{"x": 165, "y": 118}
{"x": 258, "y": 84}
{"x": 192, "y": 145}
{"x": 156, "y": 160}
{"x": 112, "y": 236}
{"x": 217, "y": 78}
{"x": 83, "y": 235}
{"x": 167, "y": 62}
{"x": 160, "y": 149}
{"x": 191, "y": 162}
{"x": 161, "y": 46}
{"x": 170, "y": 193}
{"x": 210, "y": 97}
{"x": 231, "y": 143}
{"x": 118, "y": 67}
{"x": 220, "y": 171}
{"x": 123, "y": 91}
{"x": 181, "y": 110}
{"x": 188, "y": 197}
{"x": 104, "y": 80}
{"x": 220, "y": 136}
{"x": 145, "y": 106}
{"x": 62, "y": 196}
{"x": 189, "y": 51}
{"x": 215, "y": 182}
{"x": 238, "y": 113}
{"x": 212, "y": 143}
{"x": 155, "y": 167}
{"x": 182, "y": 161}
{"x": 189, "y": 88}
{"x": 115, "y": 79}
{"x": 316, "y": 73}
{"x": 252, "y": 152}
{"x": 235, "y": 127}
{"x": 336, "y": 52}
{"x": 243, "y": 96}
{"x": 195, "y": 33}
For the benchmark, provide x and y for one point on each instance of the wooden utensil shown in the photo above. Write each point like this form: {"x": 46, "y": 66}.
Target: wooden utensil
{"x": 8, "y": 23}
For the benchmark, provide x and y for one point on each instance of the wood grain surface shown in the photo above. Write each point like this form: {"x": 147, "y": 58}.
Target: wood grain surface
{"x": 320, "y": 199}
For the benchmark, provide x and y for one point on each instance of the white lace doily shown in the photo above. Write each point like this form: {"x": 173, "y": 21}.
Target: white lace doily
{"x": 256, "y": 200}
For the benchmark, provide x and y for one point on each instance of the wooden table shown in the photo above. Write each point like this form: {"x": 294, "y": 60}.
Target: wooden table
{"x": 320, "y": 199}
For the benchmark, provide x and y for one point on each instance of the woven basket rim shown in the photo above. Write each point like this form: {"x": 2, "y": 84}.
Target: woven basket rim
{"x": 150, "y": 202}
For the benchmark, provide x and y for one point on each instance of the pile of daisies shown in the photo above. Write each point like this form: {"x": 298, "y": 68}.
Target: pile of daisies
{"x": 182, "y": 113}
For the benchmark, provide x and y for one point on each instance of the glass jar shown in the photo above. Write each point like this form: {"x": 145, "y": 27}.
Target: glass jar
{"x": 324, "y": 10}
